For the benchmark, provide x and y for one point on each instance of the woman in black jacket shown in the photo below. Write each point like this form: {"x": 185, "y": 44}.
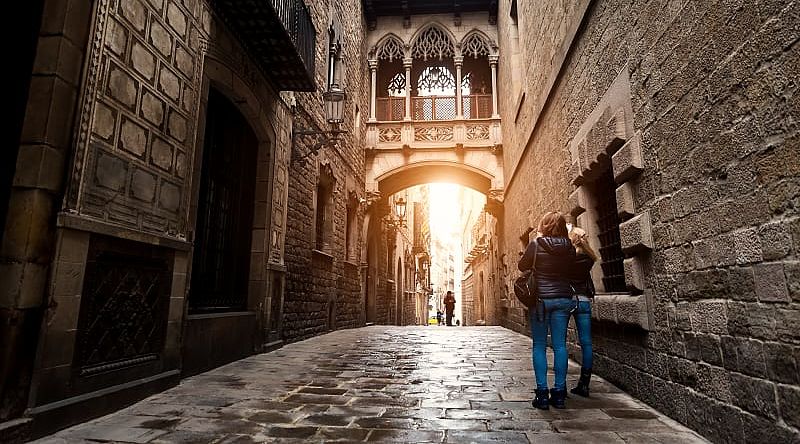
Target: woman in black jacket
{"x": 555, "y": 258}
{"x": 584, "y": 293}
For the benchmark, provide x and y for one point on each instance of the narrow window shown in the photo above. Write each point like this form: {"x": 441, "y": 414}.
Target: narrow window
{"x": 324, "y": 208}
{"x": 604, "y": 191}
{"x": 350, "y": 231}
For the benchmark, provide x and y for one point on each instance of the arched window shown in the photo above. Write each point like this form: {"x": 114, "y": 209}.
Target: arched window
{"x": 436, "y": 81}
{"x": 466, "y": 84}
{"x": 397, "y": 86}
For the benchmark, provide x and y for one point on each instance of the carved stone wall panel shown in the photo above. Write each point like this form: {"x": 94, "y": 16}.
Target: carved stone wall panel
{"x": 433, "y": 133}
{"x": 138, "y": 117}
{"x": 477, "y": 132}
{"x": 390, "y": 134}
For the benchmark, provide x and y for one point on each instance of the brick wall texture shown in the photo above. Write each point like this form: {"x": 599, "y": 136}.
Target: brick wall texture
{"x": 713, "y": 93}
{"x": 323, "y": 291}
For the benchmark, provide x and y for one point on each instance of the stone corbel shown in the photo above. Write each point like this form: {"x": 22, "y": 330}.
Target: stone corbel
{"x": 622, "y": 309}
{"x": 459, "y": 149}
{"x": 626, "y": 207}
{"x": 627, "y": 161}
{"x": 494, "y": 203}
{"x": 577, "y": 202}
{"x": 636, "y": 234}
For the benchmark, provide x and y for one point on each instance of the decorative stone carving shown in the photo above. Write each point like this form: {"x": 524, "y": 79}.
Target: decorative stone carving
{"x": 433, "y": 43}
{"x": 477, "y": 132}
{"x": 433, "y": 133}
{"x": 389, "y": 134}
{"x": 474, "y": 45}
{"x": 390, "y": 49}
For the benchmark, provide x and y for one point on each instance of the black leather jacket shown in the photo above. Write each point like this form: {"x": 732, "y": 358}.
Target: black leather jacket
{"x": 555, "y": 260}
{"x": 580, "y": 275}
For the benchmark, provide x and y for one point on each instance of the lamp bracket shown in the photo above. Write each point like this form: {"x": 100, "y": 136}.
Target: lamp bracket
{"x": 321, "y": 138}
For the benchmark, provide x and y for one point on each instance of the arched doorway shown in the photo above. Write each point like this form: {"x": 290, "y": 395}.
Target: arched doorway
{"x": 221, "y": 261}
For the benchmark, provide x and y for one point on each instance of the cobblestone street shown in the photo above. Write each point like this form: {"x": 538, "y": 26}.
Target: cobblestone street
{"x": 390, "y": 384}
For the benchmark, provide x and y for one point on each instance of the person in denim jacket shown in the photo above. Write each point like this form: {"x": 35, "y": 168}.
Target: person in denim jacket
{"x": 581, "y": 280}
{"x": 555, "y": 258}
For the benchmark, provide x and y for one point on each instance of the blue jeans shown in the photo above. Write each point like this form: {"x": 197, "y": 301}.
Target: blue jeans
{"x": 583, "y": 322}
{"x": 552, "y": 314}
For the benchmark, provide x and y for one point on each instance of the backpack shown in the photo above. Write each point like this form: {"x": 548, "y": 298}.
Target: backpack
{"x": 525, "y": 288}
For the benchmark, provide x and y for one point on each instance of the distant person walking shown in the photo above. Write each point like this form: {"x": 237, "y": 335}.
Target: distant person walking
{"x": 449, "y": 306}
{"x": 555, "y": 257}
{"x": 581, "y": 280}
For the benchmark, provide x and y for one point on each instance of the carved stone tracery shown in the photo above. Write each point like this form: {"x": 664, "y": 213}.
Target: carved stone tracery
{"x": 474, "y": 46}
{"x": 390, "y": 49}
{"x": 433, "y": 43}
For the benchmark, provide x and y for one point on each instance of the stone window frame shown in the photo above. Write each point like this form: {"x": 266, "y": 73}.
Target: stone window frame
{"x": 608, "y": 136}
{"x": 351, "y": 227}
{"x": 324, "y": 208}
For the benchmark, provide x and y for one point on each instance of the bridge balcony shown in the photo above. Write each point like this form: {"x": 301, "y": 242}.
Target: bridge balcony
{"x": 434, "y": 123}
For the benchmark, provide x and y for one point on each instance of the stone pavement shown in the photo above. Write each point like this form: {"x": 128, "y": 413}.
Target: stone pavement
{"x": 379, "y": 383}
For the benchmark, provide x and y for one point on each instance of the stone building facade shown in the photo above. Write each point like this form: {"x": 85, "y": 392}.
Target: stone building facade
{"x": 668, "y": 130}
{"x": 324, "y": 239}
{"x": 149, "y": 227}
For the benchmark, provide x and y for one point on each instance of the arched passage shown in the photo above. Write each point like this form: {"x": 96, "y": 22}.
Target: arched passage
{"x": 434, "y": 171}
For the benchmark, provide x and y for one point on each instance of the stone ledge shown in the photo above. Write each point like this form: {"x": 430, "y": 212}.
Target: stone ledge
{"x": 622, "y": 309}
{"x": 82, "y": 222}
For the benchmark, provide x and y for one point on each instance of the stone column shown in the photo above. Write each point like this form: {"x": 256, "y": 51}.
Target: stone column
{"x": 458, "y": 60}
{"x": 407, "y": 66}
{"x": 493, "y": 65}
{"x": 373, "y": 69}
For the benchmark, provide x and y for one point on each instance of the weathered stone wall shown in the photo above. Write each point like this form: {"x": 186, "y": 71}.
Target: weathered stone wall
{"x": 703, "y": 115}
{"x": 323, "y": 290}
{"x": 468, "y": 297}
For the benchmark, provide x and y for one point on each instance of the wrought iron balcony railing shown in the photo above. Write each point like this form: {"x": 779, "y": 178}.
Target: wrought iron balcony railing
{"x": 279, "y": 35}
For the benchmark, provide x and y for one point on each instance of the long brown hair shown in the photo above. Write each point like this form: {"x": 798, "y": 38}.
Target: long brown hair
{"x": 553, "y": 224}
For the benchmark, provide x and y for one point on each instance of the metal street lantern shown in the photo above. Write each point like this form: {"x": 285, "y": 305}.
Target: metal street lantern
{"x": 334, "y": 104}
{"x": 400, "y": 208}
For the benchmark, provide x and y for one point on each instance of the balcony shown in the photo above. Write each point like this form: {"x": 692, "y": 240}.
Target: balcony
{"x": 434, "y": 123}
{"x": 279, "y": 35}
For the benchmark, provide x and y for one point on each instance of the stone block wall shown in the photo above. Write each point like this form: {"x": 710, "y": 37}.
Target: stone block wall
{"x": 323, "y": 290}
{"x": 704, "y": 155}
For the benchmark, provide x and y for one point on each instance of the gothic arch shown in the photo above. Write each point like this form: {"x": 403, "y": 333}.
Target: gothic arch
{"x": 433, "y": 40}
{"x": 390, "y": 47}
{"x": 475, "y": 44}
